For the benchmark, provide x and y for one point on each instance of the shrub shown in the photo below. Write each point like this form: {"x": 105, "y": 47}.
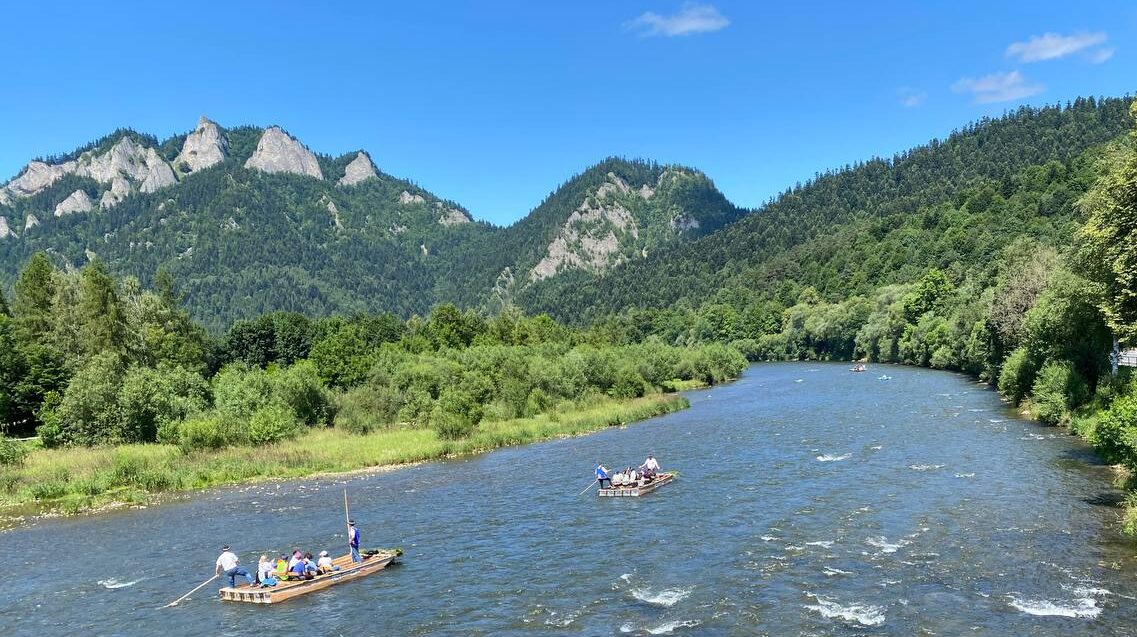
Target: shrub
{"x": 1017, "y": 375}
{"x": 1113, "y": 435}
{"x": 1057, "y": 390}
{"x": 366, "y": 409}
{"x": 206, "y": 431}
{"x": 272, "y": 423}
{"x": 12, "y": 452}
{"x": 299, "y": 388}
{"x": 449, "y": 425}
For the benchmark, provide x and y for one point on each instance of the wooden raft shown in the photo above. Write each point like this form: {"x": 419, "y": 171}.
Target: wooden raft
{"x": 636, "y": 491}
{"x": 349, "y": 570}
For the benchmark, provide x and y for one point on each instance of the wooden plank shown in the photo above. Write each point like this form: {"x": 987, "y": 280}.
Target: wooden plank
{"x": 633, "y": 492}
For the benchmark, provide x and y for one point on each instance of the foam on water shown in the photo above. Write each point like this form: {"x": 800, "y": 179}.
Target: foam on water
{"x": 663, "y": 629}
{"x": 667, "y": 597}
{"x": 863, "y": 614}
{"x": 832, "y": 458}
{"x": 830, "y": 571}
{"x": 925, "y": 467}
{"x": 113, "y": 583}
{"x": 822, "y": 543}
{"x": 1081, "y": 608}
{"x": 884, "y": 545}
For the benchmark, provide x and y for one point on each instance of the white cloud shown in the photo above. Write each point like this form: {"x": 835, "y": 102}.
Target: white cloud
{"x": 1051, "y": 46}
{"x": 1101, "y": 55}
{"x": 910, "y": 97}
{"x": 690, "y": 19}
{"x": 997, "y": 87}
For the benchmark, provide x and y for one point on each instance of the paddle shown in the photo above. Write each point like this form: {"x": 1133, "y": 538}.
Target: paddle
{"x": 196, "y": 588}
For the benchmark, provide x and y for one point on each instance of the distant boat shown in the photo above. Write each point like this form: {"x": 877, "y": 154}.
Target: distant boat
{"x": 638, "y": 489}
{"x": 859, "y": 367}
{"x": 884, "y": 377}
{"x": 373, "y": 562}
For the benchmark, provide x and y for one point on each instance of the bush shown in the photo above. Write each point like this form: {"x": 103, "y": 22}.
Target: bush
{"x": 299, "y": 388}
{"x": 12, "y": 452}
{"x": 206, "y": 431}
{"x": 1113, "y": 434}
{"x": 272, "y": 423}
{"x": 1057, "y": 390}
{"x": 366, "y": 409}
{"x": 1017, "y": 375}
{"x": 450, "y": 426}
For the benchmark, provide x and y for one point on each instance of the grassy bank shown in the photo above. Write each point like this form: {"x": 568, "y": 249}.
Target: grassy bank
{"x": 82, "y": 479}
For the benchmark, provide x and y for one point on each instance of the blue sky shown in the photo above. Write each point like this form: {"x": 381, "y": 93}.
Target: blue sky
{"x": 494, "y": 104}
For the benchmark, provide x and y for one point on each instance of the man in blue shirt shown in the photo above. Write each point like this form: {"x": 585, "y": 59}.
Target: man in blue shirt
{"x": 353, "y": 541}
{"x": 602, "y": 476}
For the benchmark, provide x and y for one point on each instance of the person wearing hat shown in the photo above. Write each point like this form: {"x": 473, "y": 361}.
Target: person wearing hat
{"x": 227, "y": 563}
{"x": 602, "y": 475}
{"x": 353, "y": 541}
{"x": 324, "y": 564}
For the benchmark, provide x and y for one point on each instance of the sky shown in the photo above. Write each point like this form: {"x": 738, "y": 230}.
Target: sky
{"x": 495, "y": 104}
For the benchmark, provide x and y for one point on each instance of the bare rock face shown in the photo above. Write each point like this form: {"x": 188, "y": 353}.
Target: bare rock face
{"x": 407, "y": 199}
{"x": 359, "y": 169}
{"x": 451, "y": 216}
{"x": 126, "y": 159}
{"x": 204, "y": 147}
{"x": 5, "y": 231}
{"x": 120, "y": 188}
{"x": 335, "y": 215}
{"x": 37, "y": 177}
{"x": 5, "y": 198}
{"x": 590, "y": 237}
{"x": 78, "y": 201}
{"x": 278, "y": 153}
{"x": 31, "y": 222}
{"x": 683, "y": 222}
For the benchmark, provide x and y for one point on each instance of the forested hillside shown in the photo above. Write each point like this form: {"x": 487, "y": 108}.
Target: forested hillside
{"x": 883, "y": 221}
{"x": 249, "y": 221}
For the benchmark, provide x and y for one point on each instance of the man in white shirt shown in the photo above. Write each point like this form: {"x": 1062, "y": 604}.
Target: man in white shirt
{"x": 325, "y": 563}
{"x": 227, "y": 563}
{"x": 650, "y": 467}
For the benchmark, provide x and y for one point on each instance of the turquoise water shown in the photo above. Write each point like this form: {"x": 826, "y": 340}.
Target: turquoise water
{"x": 811, "y": 501}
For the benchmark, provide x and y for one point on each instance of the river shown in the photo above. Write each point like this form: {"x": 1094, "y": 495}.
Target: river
{"x": 811, "y": 501}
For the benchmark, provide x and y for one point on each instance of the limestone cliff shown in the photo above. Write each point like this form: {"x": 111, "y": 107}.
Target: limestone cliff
{"x": 204, "y": 147}
{"x": 278, "y": 153}
{"x": 358, "y": 170}
{"x": 77, "y": 201}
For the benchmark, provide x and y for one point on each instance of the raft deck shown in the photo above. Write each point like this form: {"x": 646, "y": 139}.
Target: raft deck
{"x": 636, "y": 491}
{"x": 349, "y": 570}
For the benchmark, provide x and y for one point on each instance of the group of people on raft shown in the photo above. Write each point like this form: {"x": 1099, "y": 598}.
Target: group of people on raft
{"x": 300, "y": 566}
{"x": 630, "y": 477}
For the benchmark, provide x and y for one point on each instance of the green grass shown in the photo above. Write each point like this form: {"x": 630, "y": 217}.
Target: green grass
{"x": 84, "y": 479}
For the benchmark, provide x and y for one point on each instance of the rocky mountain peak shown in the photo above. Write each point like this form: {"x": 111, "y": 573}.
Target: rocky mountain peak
{"x": 130, "y": 160}
{"x": 359, "y": 169}
{"x": 277, "y": 152}
{"x": 204, "y": 147}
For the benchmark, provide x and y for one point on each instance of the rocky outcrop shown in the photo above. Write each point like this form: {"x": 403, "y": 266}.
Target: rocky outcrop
{"x": 119, "y": 190}
{"x": 590, "y": 237}
{"x": 5, "y": 231}
{"x": 278, "y": 153}
{"x": 230, "y": 224}
{"x": 407, "y": 199}
{"x": 5, "y": 198}
{"x": 204, "y": 147}
{"x": 37, "y": 176}
{"x": 683, "y": 222}
{"x": 31, "y": 222}
{"x": 451, "y": 216}
{"x": 335, "y": 215}
{"x": 127, "y": 159}
{"x": 358, "y": 170}
{"x": 78, "y": 201}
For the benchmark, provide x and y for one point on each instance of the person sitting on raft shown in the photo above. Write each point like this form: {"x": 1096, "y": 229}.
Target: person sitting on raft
{"x": 650, "y": 467}
{"x": 266, "y": 572}
{"x": 324, "y": 564}
{"x": 298, "y": 570}
{"x": 602, "y": 476}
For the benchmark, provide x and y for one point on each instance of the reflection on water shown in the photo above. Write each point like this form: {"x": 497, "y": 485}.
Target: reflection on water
{"x": 837, "y": 505}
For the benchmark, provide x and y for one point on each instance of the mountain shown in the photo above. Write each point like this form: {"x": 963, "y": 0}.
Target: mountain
{"x": 815, "y": 234}
{"x": 249, "y": 220}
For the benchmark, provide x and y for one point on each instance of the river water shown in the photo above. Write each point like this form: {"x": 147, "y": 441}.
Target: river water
{"x": 811, "y": 501}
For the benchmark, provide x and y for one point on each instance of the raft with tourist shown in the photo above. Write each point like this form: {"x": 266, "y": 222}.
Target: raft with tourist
{"x": 343, "y": 570}
{"x": 633, "y": 482}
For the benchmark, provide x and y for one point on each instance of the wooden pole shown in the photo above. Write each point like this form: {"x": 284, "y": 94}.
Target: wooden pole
{"x": 590, "y": 485}
{"x": 196, "y": 588}
{"x": 347, "y": 521}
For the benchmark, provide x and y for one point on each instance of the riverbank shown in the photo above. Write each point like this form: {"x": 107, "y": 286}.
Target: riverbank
{"x": 76, "y": 480}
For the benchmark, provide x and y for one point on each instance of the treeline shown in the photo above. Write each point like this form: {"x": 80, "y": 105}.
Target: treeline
{"x": 86, "y": 359}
